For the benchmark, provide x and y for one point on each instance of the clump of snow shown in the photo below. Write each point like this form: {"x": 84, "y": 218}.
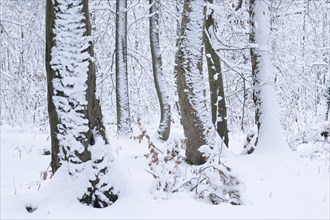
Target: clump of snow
{"x": 306, "y": 149}
{"x": 313, "y": 141}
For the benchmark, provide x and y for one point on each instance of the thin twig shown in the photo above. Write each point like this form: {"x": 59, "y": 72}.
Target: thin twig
{"x": 154, "y": 175}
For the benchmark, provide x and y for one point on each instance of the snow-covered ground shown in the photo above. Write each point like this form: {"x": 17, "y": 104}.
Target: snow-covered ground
{"x": 278, "y": 185}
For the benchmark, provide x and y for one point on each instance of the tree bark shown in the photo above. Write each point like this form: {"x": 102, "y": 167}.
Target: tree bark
{"x": 159, "y": 78}
{"x": 74, "y": 111}
{"x": 122, "y": 95}
{"x": 94, "y": 112}
{"x": 218, "y": 103}
{"x": 252, "y": 139}
{"x": 197, "y": 126}
{"x": 53, "y": 118}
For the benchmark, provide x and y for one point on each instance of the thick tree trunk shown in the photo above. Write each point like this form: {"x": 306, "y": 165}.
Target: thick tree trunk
{"x": 122, "y": 95}
{"x": 197, "y": 124}
{"x": 75, "y": 114}
{"x": 159, "y": 78}
{"x": 269, "y": 130}
{"x": 218, "y": 103}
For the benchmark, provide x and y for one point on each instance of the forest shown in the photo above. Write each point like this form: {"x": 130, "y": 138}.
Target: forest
{"x": 171, "y": 109}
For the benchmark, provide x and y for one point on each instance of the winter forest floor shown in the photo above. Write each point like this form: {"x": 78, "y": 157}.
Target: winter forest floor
{"x": 280, "y": 185}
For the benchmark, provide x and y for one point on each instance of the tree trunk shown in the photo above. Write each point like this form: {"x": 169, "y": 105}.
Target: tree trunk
{"x": 269, "y": 130}
{"x": 218, "y": 103}
{"x": 176, "y": 58}
{"x": 327, "y": 27}
{"x": 159, "y": 78}
{"x": 122, "y": 96}
{"x": 256, "y": 93}
{"x": 197, "y": 126}
{"x": 53, "y": 118}
{"x": 75, "y": 114}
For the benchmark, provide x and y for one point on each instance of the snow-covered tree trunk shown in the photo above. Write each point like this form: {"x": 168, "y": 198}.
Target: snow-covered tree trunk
{"x": 80, "y": 149}
{"x": 269, "y": 130}
{"x": 53, "y": 117}
{"x": 176, "y": 107}
{"x": 218, "y": 103}
{"x": 324, "y": 102}
{"x": 159, "y": 78}
{"x": 122, "y": 96}
{"x": 327, "y": 84}
{"x": 197, "y": 125}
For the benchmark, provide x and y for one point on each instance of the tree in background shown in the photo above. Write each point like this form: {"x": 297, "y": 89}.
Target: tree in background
{"x": 23, "y": 86}
{"x": 302, "y": 97}
{"x": 122, "y": 96}
{"x": 159, "y": 78}
{"x": 79, "y": 145}
{"x": 218, "y": 103}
